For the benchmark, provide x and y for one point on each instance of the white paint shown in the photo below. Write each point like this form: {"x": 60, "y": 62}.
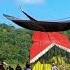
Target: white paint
{"x": 47, "y": 49}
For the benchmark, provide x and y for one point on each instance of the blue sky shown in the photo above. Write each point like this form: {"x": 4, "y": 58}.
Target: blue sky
{"x": 39, "y": 9}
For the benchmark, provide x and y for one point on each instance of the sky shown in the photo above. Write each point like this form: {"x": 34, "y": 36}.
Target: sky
{"x": 44, "y": 10}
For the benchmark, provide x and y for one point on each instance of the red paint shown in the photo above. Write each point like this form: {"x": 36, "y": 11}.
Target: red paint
{"x": 42, "y": 40}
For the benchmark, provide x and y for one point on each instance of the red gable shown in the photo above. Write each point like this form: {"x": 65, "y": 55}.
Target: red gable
{"x": 43, "y": 41}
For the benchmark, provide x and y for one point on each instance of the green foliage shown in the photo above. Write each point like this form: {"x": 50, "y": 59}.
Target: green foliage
{"x": 14, "y": 44}
{"x": 67, "y": 33}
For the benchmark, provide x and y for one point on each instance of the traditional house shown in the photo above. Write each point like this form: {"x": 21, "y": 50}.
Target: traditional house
{"x": 42, "y": 43}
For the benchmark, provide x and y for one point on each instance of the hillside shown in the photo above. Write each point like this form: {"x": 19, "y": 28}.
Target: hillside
{"x": 15, "y": 44}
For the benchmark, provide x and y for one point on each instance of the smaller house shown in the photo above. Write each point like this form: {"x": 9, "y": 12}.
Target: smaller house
{"x": 42, "y": 43}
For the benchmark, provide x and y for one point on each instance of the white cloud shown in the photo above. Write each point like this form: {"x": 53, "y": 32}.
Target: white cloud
{"x": 33, "y": 1}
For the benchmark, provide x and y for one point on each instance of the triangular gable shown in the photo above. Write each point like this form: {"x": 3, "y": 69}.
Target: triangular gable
{"x": 45, "y": 41}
